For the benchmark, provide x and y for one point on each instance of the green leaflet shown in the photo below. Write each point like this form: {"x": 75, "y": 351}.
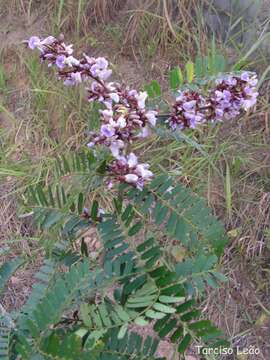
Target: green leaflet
{"x": 170, "y": 299}
{"x": 167, "y": 328}
{"x": 175, "y": 78}
{"x": 80, "y": 203}
{"x": 163, "y": 308}
{"x": 53, "y": 218}
{"x": 153, "y": 89}
{"x": 154, "y": 314}
{"x": 94, "y": 210}
{"x": 141, "y": 321}
{"x": 135, "y": 228}
{"x": 122, "y": 331}
{"x": 184, "y": 343}
{"x": 189, "y": 71}
{"x": 183, "y": 215}
{"x": 138, "y": 300}
{"x": 177, "y": 335}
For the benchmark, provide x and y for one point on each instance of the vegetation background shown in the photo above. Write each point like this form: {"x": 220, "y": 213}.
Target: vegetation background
{"x": 144, "y": 40}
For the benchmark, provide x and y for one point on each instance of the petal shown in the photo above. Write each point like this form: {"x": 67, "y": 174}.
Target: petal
{"x": 132, "y": 160}
{"x": 131, "y": 178}
{"x": 48, "y": 40}
{"x": 33, "y": 42}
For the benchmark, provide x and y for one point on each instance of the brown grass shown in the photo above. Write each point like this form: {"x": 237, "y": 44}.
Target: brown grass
{"x": 166, "y": 24}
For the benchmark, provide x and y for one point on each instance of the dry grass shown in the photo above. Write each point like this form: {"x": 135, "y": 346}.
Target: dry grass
{"x": 240, "y": 308}
{"x": 166, "y": 24}
{"x": 18, "y": 236}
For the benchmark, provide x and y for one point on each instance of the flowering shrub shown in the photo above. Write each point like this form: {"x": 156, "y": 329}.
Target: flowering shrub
{"x": 125, "y": 117}
{"x": 88, "y": 297}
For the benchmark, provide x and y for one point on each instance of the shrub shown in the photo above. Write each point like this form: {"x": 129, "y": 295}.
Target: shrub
{"x": 85, "y": 303}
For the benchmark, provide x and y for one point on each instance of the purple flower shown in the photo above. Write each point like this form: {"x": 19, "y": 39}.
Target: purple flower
{"x": 133, "y": 92}
{"x": 121, "y": 122}
{"x": 102, "y": 63}
{"x": 95, "y": 70}
{"x": 107, "y": 130}
{"x": 107, "y": 114}
{"x": 59, "y": 62}
{"x": 145, "y": 132}
{"x": 71, "y": 61}
{"x": 245, "y": 76}
{"x": 151, "y": 117}
{"x": 143, "y": 172}
{"x": 227, "y": 95}
{"x": 253, "y": 81}
{"x": 189, "y": 105}
{"x": 127, "y": 169}
{"x": 131, "y": 178}
{"x": 48, "y": 40}
{"x": 132, "y": 160}
{"x": 68, "y": 48}
{"x": 224, "y": 95}
{"x": 69, "y": 82}
{"x": 74, "y": 79}
{"x": 115, "y": 148}
{"x": 233, "y": 93}
{"x": 194, "y": 119}
{"x": 248, "y": 103}
{"x": 110, "y": 184}
{"x": 91, "y": 144}
{"x": 219, "y": 114}
{"x": 48, "y": 56}
{"x": 34, "y": 42}
{"x": 115, "y": 97}
{"x": 100, "y": 69}
{"x": 107, "y": 103}
{"x": 141, "y": 97}
{"x": 231, "y": 81}
{"x": 186, "y": 111}
{"x": 89, "y": 60}
{"x": 104, "y": 74}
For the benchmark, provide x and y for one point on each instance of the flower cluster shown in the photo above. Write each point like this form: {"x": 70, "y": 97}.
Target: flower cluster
{"x": 124, "y": 116}
{"x": 187, "y": 111}
{"x": 128, "y": 169}
{"x": 231, "y": 95}
{"x": 73, "y": 71}
{"x": 124, "y": 122}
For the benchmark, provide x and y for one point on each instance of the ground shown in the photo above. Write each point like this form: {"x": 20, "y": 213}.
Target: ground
{"x": 33, "y": 125}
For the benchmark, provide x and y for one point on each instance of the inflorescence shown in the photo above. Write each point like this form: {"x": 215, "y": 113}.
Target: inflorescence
{"x": 125, "y": 118}
{"x": 231, "y": 95}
